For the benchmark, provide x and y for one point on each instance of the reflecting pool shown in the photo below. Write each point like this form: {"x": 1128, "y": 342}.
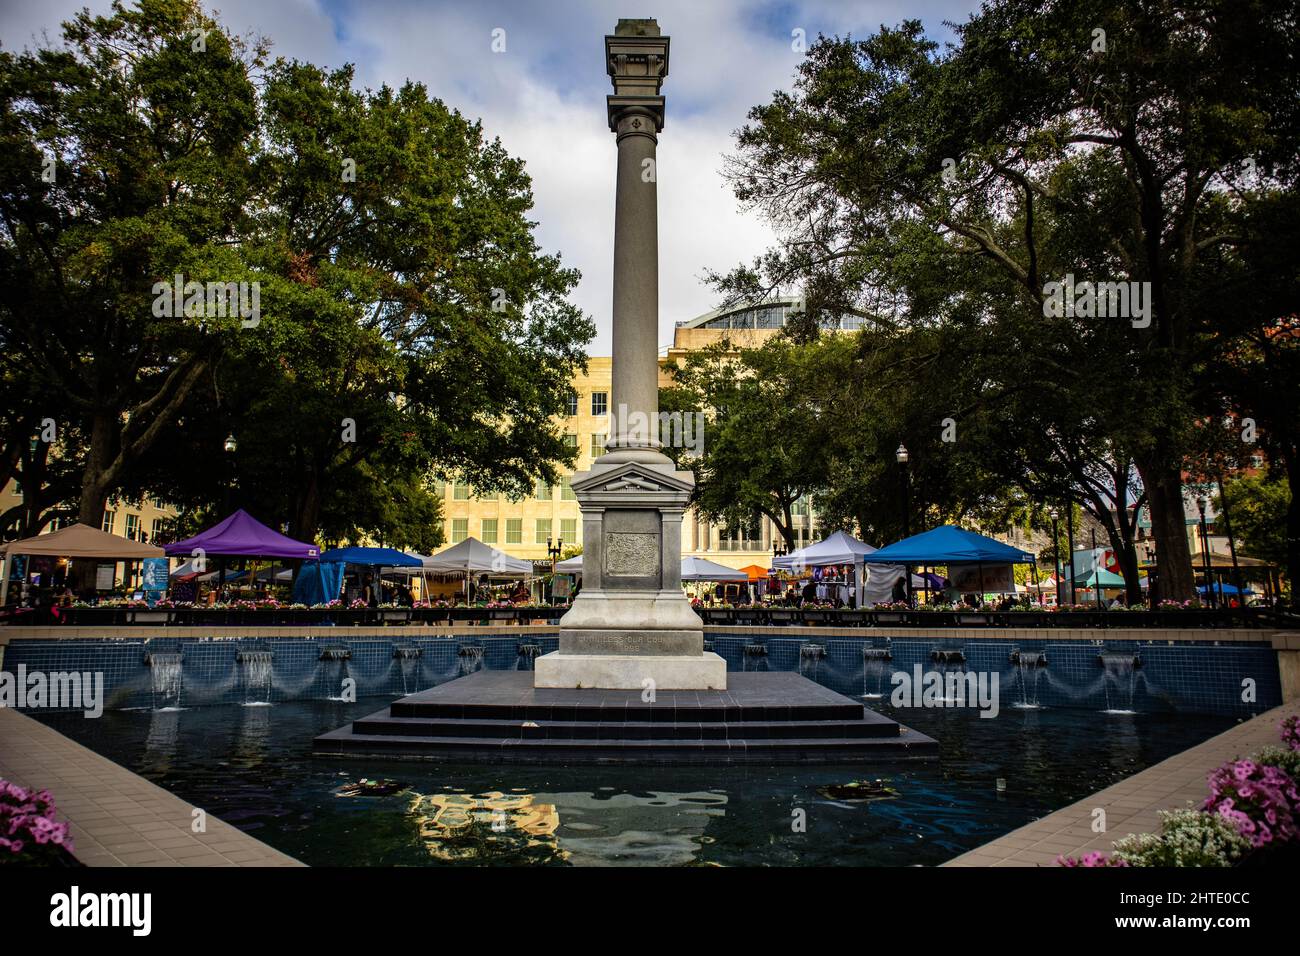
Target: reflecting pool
{"x": 252, "y": 766}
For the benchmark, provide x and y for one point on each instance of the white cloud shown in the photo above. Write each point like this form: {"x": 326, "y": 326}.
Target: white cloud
{"x": 545, "y": 98}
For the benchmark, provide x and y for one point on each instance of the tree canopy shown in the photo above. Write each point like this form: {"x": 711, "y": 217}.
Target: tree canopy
{"x": 406, "y": 325}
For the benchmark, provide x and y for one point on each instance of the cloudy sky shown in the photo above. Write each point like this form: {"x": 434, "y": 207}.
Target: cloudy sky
{"x": 544, "y": 96}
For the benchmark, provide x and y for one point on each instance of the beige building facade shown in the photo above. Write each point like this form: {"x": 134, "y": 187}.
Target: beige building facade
{"x": 522, "y": 528}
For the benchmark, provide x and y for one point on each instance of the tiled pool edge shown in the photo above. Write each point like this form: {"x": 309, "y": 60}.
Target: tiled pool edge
{"x": 1132, "y": 804}
{"x": 117, "y": 817}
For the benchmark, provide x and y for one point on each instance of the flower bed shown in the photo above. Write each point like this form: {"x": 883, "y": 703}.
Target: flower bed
{"x": 29, "y": 833}
{"x": 274, "y": 614}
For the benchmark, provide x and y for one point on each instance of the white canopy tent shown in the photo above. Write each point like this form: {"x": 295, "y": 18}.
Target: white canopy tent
{"x": 699, "y": 569}
{"x": 569, "y": 566}
{"x": 872, "y": 587}
{"x": 468, "y": 558}
{"x": 472, "y": 555}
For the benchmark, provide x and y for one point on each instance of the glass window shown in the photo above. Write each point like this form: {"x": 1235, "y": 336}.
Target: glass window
{"x": 489, "y": 530}
{"x": 543, "y": 530}
{"x": 133, "y": 526}
{"x": 571, "y": 404}
{"x": 155, "y": 529}
{"x": 571, "y": 440}
{"x": 566, "y": 490}
{"x": 108, "y": 520}
{"x": 597, "y": 445}
{"x": 599, "y": 403}
{"x": 569, "y": 530}
{"x": 542, "y": 491}
{"x": 459, "y": 530}
{"x": 514, "y": 530}
{"x": 460, "y": 491}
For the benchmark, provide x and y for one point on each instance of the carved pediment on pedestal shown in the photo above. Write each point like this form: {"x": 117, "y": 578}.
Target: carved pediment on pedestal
{"x": 632, "y": 480}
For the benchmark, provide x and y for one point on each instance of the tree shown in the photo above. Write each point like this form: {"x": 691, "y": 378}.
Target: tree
{"x": 1041, "y": 149}
{"x": 765, "y": 433}
{"x": 1258, "y": 505}
{"x": 123, "y": 159}
{"x": 407, "y": 325}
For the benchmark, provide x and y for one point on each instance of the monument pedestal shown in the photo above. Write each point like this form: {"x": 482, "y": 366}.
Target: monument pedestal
{"x": 624, "y": 672}
{"x": 630, "y": 622}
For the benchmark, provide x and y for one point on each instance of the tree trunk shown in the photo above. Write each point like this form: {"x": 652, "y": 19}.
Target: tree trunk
{"x": 1164, "y": 488}
{"x": 94, "y": 493}
{"x": 306, "y": 516}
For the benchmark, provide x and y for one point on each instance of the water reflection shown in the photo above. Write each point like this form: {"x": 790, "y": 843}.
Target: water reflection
{"x": 253, "y": 768}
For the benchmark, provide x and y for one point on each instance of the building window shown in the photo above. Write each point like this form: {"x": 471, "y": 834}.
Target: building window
{"x": 459, "y": 530}
{"x": 597, "y": 445}
{"x": 566, "y": 490}
{"x": 571, "y": 440}
{"x": 460, "y": 491}
{"x": 600, "y": 403}
{"x": 133, "y": 527}
{"x": 514, "y": 530}
{"x": 489, "y": 530}
{"x": 542, "y": 491}
{"x": 571, "y": 404}
{"x": 155, "y": 530}
{"x": 108, "y": 520}
{"x": 569, "y": 530}
{"x": 543, "y": 530}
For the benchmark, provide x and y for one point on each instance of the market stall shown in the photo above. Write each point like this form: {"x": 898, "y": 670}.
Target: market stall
{"x": 75, "y": 542}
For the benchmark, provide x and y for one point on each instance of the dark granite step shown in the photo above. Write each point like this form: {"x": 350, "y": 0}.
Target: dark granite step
{"x": 908, "y": 745}
{"x": 509, "y": 695}
{"x": 499, "y": 717}
{"x": 872, "y": 725}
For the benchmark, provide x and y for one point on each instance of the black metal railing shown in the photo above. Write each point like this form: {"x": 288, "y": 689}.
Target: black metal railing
{"x": 736, "y": 617}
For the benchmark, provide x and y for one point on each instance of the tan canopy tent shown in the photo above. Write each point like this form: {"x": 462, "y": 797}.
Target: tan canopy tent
{"x": 75, "y": 541}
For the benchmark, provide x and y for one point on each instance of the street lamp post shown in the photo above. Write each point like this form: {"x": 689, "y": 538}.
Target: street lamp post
{"x": 230, "y": 446}
{"x": 1153, "y": 577}
{"x": 1056, "y": 555}
{"x": 554, "y": 554}
{"x": 1096, "y": 571}
{"x": 1201, "y": 505}
{"x": 1069, "y": 535}
{"x": 901, "y": 456}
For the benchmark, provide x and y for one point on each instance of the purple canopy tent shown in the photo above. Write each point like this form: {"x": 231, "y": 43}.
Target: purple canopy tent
{"x": 242, "y": 535}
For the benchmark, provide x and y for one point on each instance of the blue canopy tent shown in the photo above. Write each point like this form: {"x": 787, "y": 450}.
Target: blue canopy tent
{"x": 359, "y": 557}
{"x": 318, "y": 582}
{"x": 371, "y": 557}
{"x": 949, "y": 545}
{"x": 1222, "y": 588}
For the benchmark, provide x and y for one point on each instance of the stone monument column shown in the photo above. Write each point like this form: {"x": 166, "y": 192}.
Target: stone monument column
{"x": 631, "y": 626}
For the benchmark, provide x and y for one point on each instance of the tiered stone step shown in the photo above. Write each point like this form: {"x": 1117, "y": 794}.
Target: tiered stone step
{"x": 499, "y": 716}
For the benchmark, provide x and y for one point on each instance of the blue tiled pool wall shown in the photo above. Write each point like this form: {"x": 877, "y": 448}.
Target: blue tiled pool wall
{"x": 1187, "y": 677}
{"x": 212, "y": 672}
{"x": 1191, "y": 677}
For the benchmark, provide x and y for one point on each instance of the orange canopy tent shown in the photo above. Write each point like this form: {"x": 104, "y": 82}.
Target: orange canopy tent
{"x": 755, "y": 572}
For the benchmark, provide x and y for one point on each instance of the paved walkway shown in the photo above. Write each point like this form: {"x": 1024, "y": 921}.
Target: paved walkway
{"x": 1131, "y": 805}
{"x": 117, "y": 817}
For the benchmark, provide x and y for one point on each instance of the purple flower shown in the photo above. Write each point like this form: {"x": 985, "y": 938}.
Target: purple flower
{"x": 1260, "y": 801}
